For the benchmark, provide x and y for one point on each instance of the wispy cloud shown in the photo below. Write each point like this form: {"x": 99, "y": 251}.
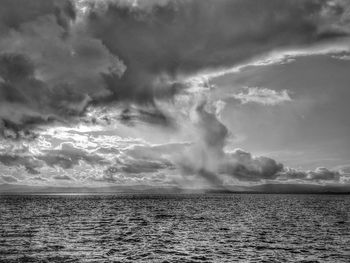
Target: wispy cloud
{"x": 263, "y": 96}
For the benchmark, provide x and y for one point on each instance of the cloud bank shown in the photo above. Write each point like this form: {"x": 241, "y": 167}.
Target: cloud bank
{"x": 57, "y": 57}
{"x": 75, "y": 62}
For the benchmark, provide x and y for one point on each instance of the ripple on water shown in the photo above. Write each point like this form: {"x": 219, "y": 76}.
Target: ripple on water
{"x": 175, "y": 228}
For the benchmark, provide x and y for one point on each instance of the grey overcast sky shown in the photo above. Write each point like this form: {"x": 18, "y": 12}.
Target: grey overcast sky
{"x": 185, "y": 93}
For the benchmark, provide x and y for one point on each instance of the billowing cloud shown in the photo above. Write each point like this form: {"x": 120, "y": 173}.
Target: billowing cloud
{"x": 117, "y": 74}
{"x": 198, "y": 158}
{"x": 243, "y": 166}
{"x": 49, "y": 70}
{"x": 164, "y": 40}
{"x": 76, "y": 53}
{"x": 319, "y": 174}
{"x": 322, "y": 173}
{"x": 203, "y": 156}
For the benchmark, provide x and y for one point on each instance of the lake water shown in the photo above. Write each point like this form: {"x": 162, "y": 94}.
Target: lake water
{"x": 175, "y": 228}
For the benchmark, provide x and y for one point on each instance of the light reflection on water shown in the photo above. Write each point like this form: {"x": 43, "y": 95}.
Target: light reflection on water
{"x": 175, "y": 228}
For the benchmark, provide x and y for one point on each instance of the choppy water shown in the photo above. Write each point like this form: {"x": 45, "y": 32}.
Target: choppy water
{"x": 175, "y": 228}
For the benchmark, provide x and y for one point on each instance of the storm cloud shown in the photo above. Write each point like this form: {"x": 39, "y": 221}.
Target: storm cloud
{"x": 48, "y": 70}
{"x": 319, "y": 174}
{"x": 243, "y": 166}
{"x": 57, "y": 57}
{"x": 162, "y": 42}
{"x": 124, "y": 69}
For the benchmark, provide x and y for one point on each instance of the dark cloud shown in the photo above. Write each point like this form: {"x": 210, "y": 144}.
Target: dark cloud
{"x": 319, "y": 174}
{"x": 8, "y": 178}
{"x": 13, "y": 13}
{"x": 142, "y": 166}
{"x": 48, "y": 71}
{"x": 38, "y": 178}
{"x": 55, "y": 61}
{"x": 15, "y": 68}
{"x": 68, "y": 156}
{"x": 323, "y": 174}
{"x": 138, "y": 166}
{"x": 62, "y": 177}
{"x": 151, "y": 115}
{"x": 205, "y": 157}
{"x": 12, "y": 160}
{"x": 18, "y": 160}
{"x": 142, "y": 160}
{"x": 32, "y": 170}
{"x": 156, "y": 152}
{"x": 163, "y": 40}
{"x": 243, "y": 166}
{"x": 107, "y": 177}
{"x": 23, "y": 97}
{"x": 109, "y": 172}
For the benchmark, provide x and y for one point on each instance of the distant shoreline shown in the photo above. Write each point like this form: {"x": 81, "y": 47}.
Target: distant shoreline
{"x": 12, "y": 189}
{"x": 162, "y": 193}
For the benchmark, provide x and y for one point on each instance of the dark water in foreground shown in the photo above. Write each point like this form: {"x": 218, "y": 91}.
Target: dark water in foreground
{"x": 175, "y": 228}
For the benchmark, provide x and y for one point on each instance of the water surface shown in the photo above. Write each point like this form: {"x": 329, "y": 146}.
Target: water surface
{"x": 175, "y": 228}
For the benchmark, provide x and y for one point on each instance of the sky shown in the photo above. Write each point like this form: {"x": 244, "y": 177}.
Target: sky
{"x": 184, "y": 93}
